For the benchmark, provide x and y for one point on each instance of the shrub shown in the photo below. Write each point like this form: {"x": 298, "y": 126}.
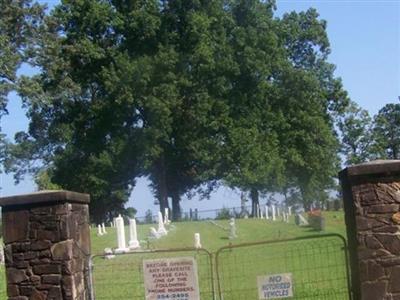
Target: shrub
{"x": 224, "y": 214}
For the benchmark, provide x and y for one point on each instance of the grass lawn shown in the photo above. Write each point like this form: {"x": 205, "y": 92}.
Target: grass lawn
{"x": 317, "y": 266}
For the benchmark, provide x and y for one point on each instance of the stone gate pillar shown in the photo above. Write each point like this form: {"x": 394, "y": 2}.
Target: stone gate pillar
{"x": 47, "y": 243}
{"x": 371, "y": 195}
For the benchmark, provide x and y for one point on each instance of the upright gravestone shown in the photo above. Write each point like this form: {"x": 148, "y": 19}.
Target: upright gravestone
{"x": 273, "y": 212}
{"x": 371, "y": 194}
{"x": 166, "y": 216}
{"x": 47, "y": 245}
{"x": 266, "y": 212}
{"x": 99, "y": 230}
{"x": 103, "y": 226}
{"x": 232, "y": 229}
{"x": 133, "y": 241}
{"x": 161, "y": 228}
{"x": 119, "y": 222}
{"x": 197, "y": 242}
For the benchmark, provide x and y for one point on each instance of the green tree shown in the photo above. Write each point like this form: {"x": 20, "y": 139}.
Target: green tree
{"x": 251, "y": 159}
{"x": 309, "y": 98}
{"x": 386, "y": 132}
{"x": 356, "y": 134}
{"x": 20, "y": 23}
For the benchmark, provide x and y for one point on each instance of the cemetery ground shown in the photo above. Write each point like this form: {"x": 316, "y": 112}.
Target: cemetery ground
{"x": 118, "y": 279}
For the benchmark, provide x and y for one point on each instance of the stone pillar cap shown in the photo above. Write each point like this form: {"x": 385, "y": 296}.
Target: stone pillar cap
{"x": 46, "y": 196}
{"x": 374, "y": 167}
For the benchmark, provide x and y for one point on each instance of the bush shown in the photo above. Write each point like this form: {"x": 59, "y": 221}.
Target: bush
{"x": 224, "y": 214}
{"x": 316, "y": 220}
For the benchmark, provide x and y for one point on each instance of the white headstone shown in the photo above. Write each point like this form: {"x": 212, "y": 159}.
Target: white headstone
{"x": 99, "y": 230}
{"x": 197, "y": 242}
{"x": 258, "y": 211}
{"x": 104, "y": 228}
{"x": 161, "y": 228}
{"x": 278, "y": 211}
{"x": 261, "y": 214}
{"x": 121, "y": 235}
{"x": 133, "y": 241}
{"x": 273, "y": 212}
{"x": 166, "y": 216}
{"x": 266, "y": 212}
{"x": 303, "y": 221}
{"x": 290, "y": 210}
{"x": 153, "y": 233}
{"x": 232, "y": 229}
{"x": 108, "y": 253}
{"x": 111, "y": 224}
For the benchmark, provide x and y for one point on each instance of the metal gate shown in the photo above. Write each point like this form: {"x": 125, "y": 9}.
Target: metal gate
{"x": 317, "y": 266}
{"x": 121, "y": 278}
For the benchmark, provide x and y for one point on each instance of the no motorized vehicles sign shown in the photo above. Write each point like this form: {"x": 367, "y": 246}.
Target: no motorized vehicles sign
{"x": 275, "y": 286}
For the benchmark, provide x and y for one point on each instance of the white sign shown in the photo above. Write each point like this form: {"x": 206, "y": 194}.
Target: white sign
{"x": 275, "y": 286}
{"x": 171, "y": 279}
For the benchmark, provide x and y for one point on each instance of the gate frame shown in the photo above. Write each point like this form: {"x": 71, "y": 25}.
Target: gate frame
{"x": 267, "y": 242}
{"x": 151, "y": 251}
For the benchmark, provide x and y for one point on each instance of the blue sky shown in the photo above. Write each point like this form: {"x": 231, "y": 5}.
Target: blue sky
{"x": 365, "y": 43}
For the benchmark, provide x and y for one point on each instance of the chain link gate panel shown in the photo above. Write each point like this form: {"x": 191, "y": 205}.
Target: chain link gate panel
{"x": 121, "y": 278}
{"x": 318, "y": 266}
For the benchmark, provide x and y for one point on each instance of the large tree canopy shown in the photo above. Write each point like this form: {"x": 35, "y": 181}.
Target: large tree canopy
{"x": 186, "y": 92}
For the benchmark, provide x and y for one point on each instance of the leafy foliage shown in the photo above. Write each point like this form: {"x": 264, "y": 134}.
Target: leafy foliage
{"x": 386, "y": 132}
{"x": 189, "y": 93}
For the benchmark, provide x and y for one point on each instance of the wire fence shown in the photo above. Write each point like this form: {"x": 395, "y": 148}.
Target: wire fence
{"x": 239, "y": 212}
{"x": 122, "y": 277}
{"x": 317, "y": 266}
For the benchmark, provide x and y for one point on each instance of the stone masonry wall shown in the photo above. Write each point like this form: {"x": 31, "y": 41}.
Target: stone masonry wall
{"x": 46, "y": 247}
{"x": 378, "y": 236}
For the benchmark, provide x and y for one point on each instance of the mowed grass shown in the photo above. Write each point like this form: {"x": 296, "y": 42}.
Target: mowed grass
{"x": 213, "y": 237}
{"x": 317, "y": 266}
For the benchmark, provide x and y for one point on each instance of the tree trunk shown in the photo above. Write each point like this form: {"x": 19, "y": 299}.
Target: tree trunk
{"x": 176, "y": 207}
{"x": 254, "y": 202}
{"x": 162, "y": 191}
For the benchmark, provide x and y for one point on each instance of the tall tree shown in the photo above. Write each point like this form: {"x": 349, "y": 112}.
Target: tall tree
{"x": 252, "y": 160}
{"x": 386, "y": 132}
{"x": 356, "y": 134}
{"x": 309, "y": 98}
{"x": 20, "y": 23}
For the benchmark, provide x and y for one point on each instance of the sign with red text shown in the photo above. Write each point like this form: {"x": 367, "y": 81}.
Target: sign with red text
{"x": 275, "y": 286}
{"x": 171, "y": 279}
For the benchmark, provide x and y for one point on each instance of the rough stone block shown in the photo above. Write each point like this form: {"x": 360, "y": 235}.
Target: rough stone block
{"x": 15, "y": 275}
{"x": 15, "y": 226}
{"x": 51, "y": 279}
{"x": 40, "y": 245}
{"x": 62, "y": 250}
{"x": 12, "y": 290}
{"x": 47, "y": 269}
{"x": 374, "y": 290}
{"x": 394, "y": 283}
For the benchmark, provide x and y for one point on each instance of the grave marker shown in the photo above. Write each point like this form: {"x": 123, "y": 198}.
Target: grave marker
{"x": 197, "y": 242}
{"x": 121, "y": 235}
{"x": 133, "y": 241}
